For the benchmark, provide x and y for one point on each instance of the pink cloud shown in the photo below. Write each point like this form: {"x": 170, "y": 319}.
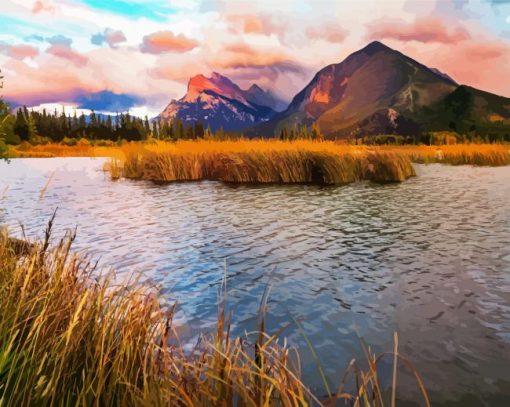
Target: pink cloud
{"x": 239, "y": 48}
{"x": 19, "y": 51}
{"x": 481, "y": 63}
{"x": 257, "y": 60}
{"x": 114, "y": 37}
{"x": 257, "y": 24}
{"x": 166, "y": 41}
{"x": 423, "y": 29}
{"x": 42, "y": 5}
{"x": 61, "y": 51}
{"x": 328, "y": 32}
{"x": 110, "y": 37}
{"x": 48, "y": 84}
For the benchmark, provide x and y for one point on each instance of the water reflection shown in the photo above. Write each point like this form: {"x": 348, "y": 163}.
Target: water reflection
{"x": 429, "y": 258}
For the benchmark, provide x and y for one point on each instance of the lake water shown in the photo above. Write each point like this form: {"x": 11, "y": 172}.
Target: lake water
{"x": 428, "y": 258}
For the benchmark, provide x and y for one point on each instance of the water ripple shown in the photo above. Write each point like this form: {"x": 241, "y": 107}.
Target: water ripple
{"x": 429, "y": 258}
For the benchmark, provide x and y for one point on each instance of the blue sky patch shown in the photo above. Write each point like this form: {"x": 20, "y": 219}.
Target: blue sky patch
{"x": 157, "y": 10}
{"x": 108, "y": 101}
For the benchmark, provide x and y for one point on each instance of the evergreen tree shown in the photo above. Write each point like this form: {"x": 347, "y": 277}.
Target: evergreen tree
{"x": 155, "y": 132}
{"x": 32, "y": 129}
{"x": 21, "y": 126}
{"x": 199, "y": 130}
{"x": 147, "y": 126}
{"x": 316, "y": 132}
{"x": 179, "y": 131}
{"x": 284, "y": 134}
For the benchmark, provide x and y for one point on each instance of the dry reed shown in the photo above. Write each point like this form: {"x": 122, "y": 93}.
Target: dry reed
{"x": 458, "y": 154}
{"x": 70, "y": 335}
{"x": 264, "y": 162}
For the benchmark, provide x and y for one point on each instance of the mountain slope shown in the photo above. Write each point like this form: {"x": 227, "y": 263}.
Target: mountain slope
{"x": 218, "y": 102}
{"x": 468, "y": 110}
{"x": 375, "y": 89}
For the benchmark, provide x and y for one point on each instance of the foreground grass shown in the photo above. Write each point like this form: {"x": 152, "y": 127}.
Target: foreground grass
{"x": 70, "y": 335}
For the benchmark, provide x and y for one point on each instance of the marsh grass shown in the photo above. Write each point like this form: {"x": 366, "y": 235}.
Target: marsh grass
{"x": 459, "y": 154}
{"x": 71, "y": 335}
{"x": 264, "y": 162}
{"x": 245, "y": 157}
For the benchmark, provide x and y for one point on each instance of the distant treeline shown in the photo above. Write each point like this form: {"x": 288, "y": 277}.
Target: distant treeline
{"x": 34, "y": 126}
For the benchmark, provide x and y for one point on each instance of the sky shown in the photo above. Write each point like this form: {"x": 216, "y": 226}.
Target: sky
{"x": 115, "y": 55}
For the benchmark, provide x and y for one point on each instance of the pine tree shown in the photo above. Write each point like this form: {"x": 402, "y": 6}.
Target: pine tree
{"x": 155, "y": 132}
{"x": 199, "y": 130}
{"x": 284, "y": 134}
{"x": 220, "y": 134}
{"x": 21, "y": 126}
{"x": 32, "y": 129}
{"x": 147, "y": 126}
{"x": 316, "y": 132}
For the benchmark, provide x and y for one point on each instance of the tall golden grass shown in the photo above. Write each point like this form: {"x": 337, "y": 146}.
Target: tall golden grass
{"x": 71, "y": 335}
{"x": 271, "y": 161}
{"x": 457, "y": 154}
{"x": 259, "y": 161}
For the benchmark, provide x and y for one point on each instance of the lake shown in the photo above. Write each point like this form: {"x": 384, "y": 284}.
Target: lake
{"x": 428, "y": 258}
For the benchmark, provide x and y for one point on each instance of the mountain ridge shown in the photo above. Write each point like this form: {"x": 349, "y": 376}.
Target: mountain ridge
{"x": 218, "y": 102}
{"x": 375, "y": 90}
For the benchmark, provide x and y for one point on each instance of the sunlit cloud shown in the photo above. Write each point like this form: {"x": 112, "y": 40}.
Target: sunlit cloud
{"x": 166, "y": 41}
{"x": 61, "y": 51}
{"x": 54, "y": 50}
{"x": 43, "y": 6}
{"x": 20, "y": 51}
{"x": 427, "y": 29}
{"x": 330, "y": 32}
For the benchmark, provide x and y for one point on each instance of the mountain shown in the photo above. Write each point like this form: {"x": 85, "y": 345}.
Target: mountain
{"x": 467, "y": 110}
{"x": 265, "y": 98}
{"x": 379, "y": 90}
{"x": 219, "y": 102}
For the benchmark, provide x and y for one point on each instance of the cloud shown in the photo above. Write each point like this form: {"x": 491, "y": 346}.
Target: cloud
{"x": 42, "y": 5}
{"x": 20, "y": 51}
{"x": 257, "y": 60}
{"x": 423, "y": 29}
{"x": 329, "y": 32}
{"x": 166, "y": 41}
{"x": 35, "y": 37}
{"x": 60, "y": 40}
{"x": 63, "y": 52}
{"x": 261, "y": 24}
{"x": 109, "y": 36}
{"x": 484, "y": 51}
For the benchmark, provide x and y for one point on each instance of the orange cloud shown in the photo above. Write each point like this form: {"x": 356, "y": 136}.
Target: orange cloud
{"x": 36, "y": 85}
{"x": 61, "y": 51}
{"x": 257, "y": 60}
{"x": 426, "y": 29}
{"x": 239, "y": 48}
{"x": 481, "y": 63}
{"x": 19, "y": 51}
{"x": 329, "y": 32}
{"x": 256, "y": 24}
{"x": 166, "y": 41}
